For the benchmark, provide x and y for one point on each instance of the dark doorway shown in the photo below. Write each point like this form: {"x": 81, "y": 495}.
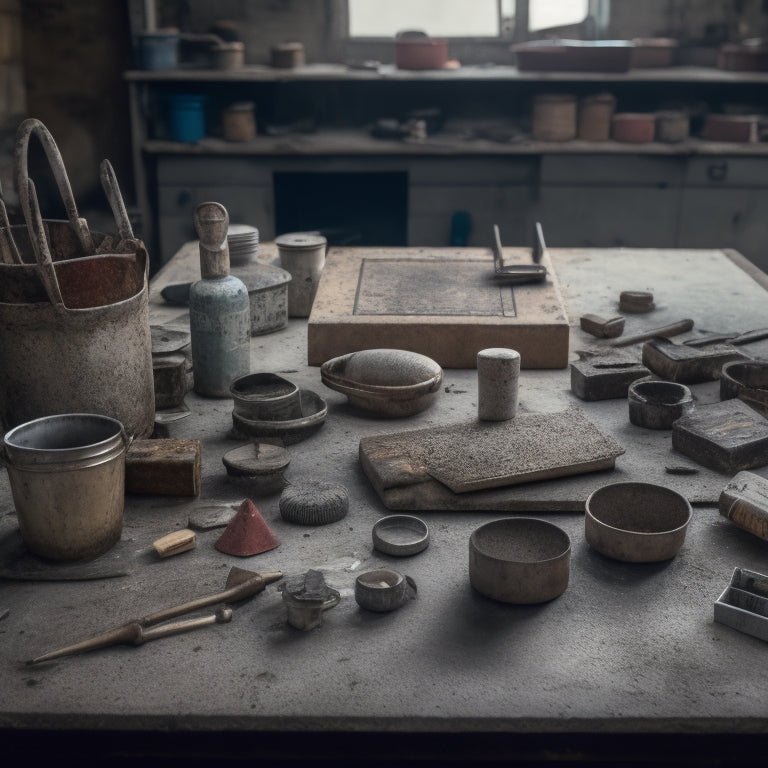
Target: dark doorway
{"x": 367, "y": 209}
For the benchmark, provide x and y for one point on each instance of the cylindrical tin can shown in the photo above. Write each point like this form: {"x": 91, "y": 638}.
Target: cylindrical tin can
{"x": 498, "y": 372}
{"x": 67, "y": 476}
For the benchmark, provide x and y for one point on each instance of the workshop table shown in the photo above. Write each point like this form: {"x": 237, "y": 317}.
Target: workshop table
{"x": 626, "y": 652}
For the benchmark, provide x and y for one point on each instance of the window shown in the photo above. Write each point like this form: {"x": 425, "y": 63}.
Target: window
{"x": 470, "y": 18}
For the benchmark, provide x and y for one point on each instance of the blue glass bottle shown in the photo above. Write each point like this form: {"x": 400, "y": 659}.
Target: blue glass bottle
{"x": 219, "y": 309}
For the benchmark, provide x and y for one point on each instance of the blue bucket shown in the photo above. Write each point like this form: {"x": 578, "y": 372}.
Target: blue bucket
{"x": 186, "y": 117}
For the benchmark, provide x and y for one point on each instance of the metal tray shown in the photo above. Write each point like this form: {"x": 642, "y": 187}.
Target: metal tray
{"x": 743, "y": 605}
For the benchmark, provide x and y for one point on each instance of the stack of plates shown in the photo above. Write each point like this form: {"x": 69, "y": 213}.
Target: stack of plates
{"x": 243, "y": 241}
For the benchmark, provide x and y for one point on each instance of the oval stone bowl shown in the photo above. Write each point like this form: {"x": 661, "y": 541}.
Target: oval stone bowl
{"x": 387, "y": 382}
{"x": 747, "y": 380}
{"x": 636, "y": 522}
{"x": 656, "y": 404}
{"x": 519, "y": 560}
{"x": 265, "y": 397}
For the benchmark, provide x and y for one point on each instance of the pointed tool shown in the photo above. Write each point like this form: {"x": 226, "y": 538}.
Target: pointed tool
{"x": 241, "y": 584}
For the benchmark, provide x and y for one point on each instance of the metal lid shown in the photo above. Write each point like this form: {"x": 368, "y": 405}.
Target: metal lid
{"x": 300, "y": 241}
{"x": 258, "y": 276}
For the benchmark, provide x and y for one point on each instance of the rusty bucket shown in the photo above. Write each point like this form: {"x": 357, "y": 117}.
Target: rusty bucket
{"x": 74, "y": 329}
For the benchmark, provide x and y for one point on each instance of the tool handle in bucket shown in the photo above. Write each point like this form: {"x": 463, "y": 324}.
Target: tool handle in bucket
{"x": 112, "y": 191}
{"x": 25, "y": 131}
{"x": 40, "y": 244}
{"x": 8, "y": 250}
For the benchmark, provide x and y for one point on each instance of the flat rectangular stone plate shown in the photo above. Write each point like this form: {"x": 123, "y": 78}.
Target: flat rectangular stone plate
{"x": 440, "y": 302}
{"x": 475, "y": 455}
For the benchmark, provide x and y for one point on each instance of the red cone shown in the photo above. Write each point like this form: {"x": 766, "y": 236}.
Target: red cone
{"x": 247, "y": 533}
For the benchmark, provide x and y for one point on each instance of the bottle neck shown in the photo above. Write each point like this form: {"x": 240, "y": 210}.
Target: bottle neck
{"x": 214, "y": 264}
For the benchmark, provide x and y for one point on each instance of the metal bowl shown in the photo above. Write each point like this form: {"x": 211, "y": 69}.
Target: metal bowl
{"x": 636, "y": 522}
{"x": 387, "y": 382}
{"x": 519, "y": 560}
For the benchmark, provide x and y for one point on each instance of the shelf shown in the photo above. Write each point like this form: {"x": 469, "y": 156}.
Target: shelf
{"x": 351, "y": 142}
{"x": 388, "y": 72}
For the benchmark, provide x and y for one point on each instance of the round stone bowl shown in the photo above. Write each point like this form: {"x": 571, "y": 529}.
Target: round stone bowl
{"x": 265, "y": 397}
{"x": 519, "y": 560}
{"x": 747, "y": 380}
{"x": 656, "y": 404}
{"x": 636, "y": 522}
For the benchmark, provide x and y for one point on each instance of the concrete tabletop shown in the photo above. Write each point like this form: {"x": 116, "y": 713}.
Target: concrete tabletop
{"x": 626, "y": 649}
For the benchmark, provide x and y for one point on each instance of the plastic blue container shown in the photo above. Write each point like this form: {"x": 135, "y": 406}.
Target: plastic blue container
{"x": 186, "y": 117}
{"x": 158, "y": 50}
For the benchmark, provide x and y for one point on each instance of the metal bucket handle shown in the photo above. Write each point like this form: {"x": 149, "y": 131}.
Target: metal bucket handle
{"x": 26, "y": 129}
{"x": 34, "y": 220}
{"x": 112, "y": 191}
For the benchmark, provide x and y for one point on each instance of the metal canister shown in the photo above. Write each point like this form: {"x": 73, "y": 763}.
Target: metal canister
{"x": 67, "y": 476}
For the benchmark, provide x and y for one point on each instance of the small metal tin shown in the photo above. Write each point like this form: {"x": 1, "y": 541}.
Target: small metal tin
{"x": 743, "y": 605}
{"x": 657, "y": 404}
{"x": 383, "y": 590}
{"x": 400, "y": 535}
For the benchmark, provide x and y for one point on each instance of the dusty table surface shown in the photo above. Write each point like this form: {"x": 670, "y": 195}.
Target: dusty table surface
{"x": 626, "y": 649}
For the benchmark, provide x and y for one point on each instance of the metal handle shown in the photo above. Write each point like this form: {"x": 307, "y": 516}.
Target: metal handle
{"x": 112, "y": 191}
{"x": 40, "y": 245}
{"x": 25, "y": 131}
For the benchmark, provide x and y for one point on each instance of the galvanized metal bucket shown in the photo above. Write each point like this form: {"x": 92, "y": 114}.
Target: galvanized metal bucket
{"x": 67, "y": 475}
{"x": 74, "y": 332}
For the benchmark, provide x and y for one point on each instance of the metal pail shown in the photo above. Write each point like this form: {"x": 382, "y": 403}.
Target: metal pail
{"x": 74, "y": 314}
{"x": 67, "y": 475}
{"x": 56, "y": 359}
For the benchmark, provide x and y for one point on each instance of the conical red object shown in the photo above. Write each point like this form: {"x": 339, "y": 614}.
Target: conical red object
{"x": 247, "y": 533}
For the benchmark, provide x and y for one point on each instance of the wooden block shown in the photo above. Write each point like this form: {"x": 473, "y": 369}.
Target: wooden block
{"x": 165, "y": 467}
{"x": 175, "y": 543}
{"x": 170, "y": 379}
{"x": 744, "y": 501}
{"x": 685, "y": 364}
{"x": 440, "y": 302}
{"x": 727, "y": 436}
{"x": 601, "y": 327}
{"x": 605, "y": 377}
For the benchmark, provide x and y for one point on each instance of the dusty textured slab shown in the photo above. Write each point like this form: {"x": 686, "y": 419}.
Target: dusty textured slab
{"x": 685, "y": 364}
{"x": 476, "y": 455}
{"x": 604, "y": 377}
{"x": 727, "y": 436}
{"x": 424, "y": 300}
